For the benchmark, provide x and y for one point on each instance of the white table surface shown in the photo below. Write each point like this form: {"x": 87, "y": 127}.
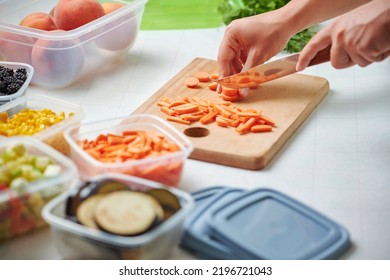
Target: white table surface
{"x": 338, "y": 162}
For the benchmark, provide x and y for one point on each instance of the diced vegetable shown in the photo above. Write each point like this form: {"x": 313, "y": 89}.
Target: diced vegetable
{"x": 29, "y": 121}
{"x": 224, "y": 113}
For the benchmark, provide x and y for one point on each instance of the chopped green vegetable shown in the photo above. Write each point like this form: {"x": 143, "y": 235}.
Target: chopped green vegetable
{"x": 235, "y": 9}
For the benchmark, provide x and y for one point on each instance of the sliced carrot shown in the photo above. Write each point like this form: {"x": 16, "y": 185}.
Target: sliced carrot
{"x": 177, "y": 103}
{"x": 246, "y": 126}
{"x": 208, "y": 118}
{"x": 221, "y": 121}
{"x": 178, "y": 120}
{"x": 202, "y": 76}
{"x": 191, "y": 82}
{"x": 223, "y": 113}
{"x": 267, "y": 120}
{"x": 167, "y": 111}
{"x": 230, "y": 98}
{"x": 261, "y": 128}
{"x": 249, "y": 114}
{"x": 213, "y": 86}
{"x": 214, "y": 76}
{"x": 229, "y": 91}
{"x": 186, "y": 108}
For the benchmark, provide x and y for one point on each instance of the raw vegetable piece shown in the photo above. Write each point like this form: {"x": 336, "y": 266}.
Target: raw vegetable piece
{"x": 86, "y": 211}
{"x": 213, "y": 86}
{"x": 191, "y": 82}
{"x": 261, "y": 128}
{"x": 108, "y": 186}
{"x": 230, "y": 98}
{"x": 167, "y": 200}
{"x": 225, "y": 114}
{"x": 126, "y": 213}
{"x": 214, "y": 76}
{"x": 230, "y": 91}
{"x": 131, "y": 145}
{"x": 202, "y": 76}
{"x": 38, "y": 120}
{"x": 19, "y": 167}
{"x": 73, "y": 201}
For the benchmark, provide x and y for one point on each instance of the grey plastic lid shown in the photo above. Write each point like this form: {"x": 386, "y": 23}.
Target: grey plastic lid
{"x": 265, "y": 224}
{"x": 197, "y": 237}
{"x": 201, "y": 199}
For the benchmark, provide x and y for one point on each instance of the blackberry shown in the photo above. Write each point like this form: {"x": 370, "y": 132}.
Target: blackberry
{"x": 12, "y": 88}
{"x": 22, "y": 71}
{"x": 20, "y": 76}
{"x": 3, "y": 86}
{"x": 10, "y": 79}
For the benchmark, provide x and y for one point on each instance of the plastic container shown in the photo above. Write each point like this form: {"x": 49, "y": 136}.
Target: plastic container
{"x": 166, "y": 169}
{"x": 22, "y": 90}
{"x": 52, "y": 135}
{"x": 75, "y": 241}
{"x": 259, "y": 224}
{"x": 62, "y": 57}
{"x": 20, "y": 210}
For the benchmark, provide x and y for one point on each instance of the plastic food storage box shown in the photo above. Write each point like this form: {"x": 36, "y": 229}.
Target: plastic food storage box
{"x": 52, "y": 135}
{"x": 75, "y": 241}
{"x": 14, "y": 66}
{"x": 166, "y": 169}
{"x": 62, "y": 57}
{"x": 20, "y": 211}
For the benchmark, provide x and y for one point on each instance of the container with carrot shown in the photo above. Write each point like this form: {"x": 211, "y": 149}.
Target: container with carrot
{"x": 138, "y": 145}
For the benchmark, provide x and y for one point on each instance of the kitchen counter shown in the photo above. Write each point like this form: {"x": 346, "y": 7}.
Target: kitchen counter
{"x": 338, "y": 162}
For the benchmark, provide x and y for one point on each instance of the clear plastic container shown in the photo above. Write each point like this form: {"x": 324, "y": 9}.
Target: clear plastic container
{"x": 20, "y": 210}
{"x": 52, "y": 135}
{"x": 75, "y": 241}
{"x": 166, "y": 169}
{"x": 62, "y": 57}
{"x": 22, "y": 90}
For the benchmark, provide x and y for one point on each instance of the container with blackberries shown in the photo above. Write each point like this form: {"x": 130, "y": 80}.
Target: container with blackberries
{"x": 14, "y": 80}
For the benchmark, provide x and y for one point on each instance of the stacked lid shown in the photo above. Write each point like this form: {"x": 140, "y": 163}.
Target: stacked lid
{"x": 231, "y": 223}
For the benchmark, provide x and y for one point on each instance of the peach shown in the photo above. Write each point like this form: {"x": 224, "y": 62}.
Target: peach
{"x": 57, "y": 63}
{"x": 120, "y": 34}
{"x": 40, "y": 21}
{"x": 14, "y": 47}
{"x": 71, "y": 14}
{"x": 109, "y": 7}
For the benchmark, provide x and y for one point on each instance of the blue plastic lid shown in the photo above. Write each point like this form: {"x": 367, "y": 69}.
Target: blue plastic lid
{"x": 265, "y": 224}
{"x": 197, "y": 237}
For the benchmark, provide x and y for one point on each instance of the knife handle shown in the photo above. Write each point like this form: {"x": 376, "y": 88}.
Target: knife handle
{"x": 321, "y": 57}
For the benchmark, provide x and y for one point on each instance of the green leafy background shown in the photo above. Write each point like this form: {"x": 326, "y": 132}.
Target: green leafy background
{"x": 184, "y": 14}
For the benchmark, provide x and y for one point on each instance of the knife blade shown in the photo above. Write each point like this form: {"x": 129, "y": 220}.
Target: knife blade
{"x": 270, "y": 71}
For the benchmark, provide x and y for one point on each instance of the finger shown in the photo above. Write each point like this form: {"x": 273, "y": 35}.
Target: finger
{"x": 340, "y": 58}
{"x": 316, "y": 44}
{"x": 244, "y": 92}
{"x": 378, "y": 56}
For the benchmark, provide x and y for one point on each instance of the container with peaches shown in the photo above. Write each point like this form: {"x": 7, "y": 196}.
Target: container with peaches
{"x": 140, "y": 145}
{"x": 64, "y": 40}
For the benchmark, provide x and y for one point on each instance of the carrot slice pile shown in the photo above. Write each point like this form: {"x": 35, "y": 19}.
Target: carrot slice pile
{"x": 130, "y": 145}
{"x": 188, "y": 110}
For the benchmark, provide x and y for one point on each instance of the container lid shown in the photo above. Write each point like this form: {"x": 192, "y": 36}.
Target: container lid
{"x": 197, "y": 236}
{"x": 266, "y": 224}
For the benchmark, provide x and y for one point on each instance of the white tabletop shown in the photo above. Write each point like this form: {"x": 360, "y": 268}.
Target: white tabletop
{"x": 338, "y": 162}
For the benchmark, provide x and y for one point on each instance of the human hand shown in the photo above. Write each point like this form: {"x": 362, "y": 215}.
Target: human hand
{"x": 360, "y": 37}
{"x": 250, "y": 41}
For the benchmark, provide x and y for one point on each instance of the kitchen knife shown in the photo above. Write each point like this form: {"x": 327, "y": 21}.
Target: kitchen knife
{"x": 270, "y": 71}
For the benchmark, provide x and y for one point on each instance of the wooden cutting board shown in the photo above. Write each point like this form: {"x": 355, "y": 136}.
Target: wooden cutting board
{"x": 288, "y": 101}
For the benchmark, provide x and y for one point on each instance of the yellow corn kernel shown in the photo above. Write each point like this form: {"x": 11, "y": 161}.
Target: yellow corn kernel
{"x": 29, "y": 121}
